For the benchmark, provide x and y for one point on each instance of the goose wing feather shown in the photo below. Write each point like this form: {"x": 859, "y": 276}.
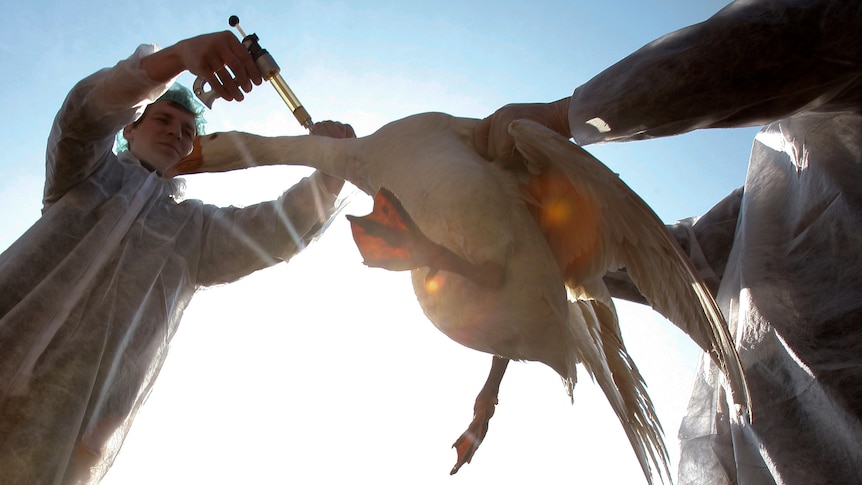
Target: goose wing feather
{"x": 615, "y": 228}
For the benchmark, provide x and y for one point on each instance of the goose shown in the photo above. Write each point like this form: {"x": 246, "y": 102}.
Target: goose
{"x": 508, "y": 260}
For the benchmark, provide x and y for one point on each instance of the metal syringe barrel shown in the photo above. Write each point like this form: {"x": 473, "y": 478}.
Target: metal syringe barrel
{"x": 270, "y": 71}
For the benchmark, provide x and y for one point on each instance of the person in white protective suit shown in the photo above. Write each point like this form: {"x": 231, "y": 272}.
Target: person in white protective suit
{"x": 92, "y": 293}
{"x": 784, "y": 252}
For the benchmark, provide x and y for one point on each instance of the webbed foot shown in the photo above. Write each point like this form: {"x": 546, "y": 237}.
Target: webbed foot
{"x": 469, "y": 441}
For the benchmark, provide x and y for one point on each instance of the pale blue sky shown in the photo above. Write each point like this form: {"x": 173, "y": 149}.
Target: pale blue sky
{"x": 310, "y": 372}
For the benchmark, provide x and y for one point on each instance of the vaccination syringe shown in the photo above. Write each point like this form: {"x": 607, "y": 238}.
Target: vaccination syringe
{"x": 270, "y": 71}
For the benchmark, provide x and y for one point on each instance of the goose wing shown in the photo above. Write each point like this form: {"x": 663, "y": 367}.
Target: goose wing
{"x": 595, "y": 223}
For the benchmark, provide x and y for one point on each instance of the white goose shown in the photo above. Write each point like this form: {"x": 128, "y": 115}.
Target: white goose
{"x": 509, "y": 261}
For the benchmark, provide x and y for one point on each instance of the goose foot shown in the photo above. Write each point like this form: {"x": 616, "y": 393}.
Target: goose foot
{"x": 388, "y": 238}
{"x": 469, "y": 441}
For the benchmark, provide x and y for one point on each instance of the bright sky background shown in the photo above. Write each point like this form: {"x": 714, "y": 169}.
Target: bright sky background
{"x": 323, "y": 370}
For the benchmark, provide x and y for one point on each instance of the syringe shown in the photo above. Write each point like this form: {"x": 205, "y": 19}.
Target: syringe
{"x": 270, "y": 71}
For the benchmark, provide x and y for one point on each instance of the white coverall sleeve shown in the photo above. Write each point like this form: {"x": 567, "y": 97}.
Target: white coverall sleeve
{"x": 751, "y": 63}
{"x": 239, "y": 241}
{"x": 108, "y": 100}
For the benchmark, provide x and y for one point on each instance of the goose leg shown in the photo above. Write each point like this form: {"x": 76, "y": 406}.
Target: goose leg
{"x": 469, "y": 441}
{"x": 388, "y": 238}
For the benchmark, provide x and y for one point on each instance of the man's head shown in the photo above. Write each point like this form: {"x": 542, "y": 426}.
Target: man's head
{"x": 164, "y": 133}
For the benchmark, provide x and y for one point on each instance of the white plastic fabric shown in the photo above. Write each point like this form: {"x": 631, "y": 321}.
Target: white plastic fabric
{"x": 787, "y": 248}
{"x": 91, "y": 295}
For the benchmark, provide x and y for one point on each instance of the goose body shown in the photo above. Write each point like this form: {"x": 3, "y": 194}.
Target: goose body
{"x": 526, "y": 249}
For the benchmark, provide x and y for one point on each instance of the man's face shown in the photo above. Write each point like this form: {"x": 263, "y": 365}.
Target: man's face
{"x": 162, "y": 136}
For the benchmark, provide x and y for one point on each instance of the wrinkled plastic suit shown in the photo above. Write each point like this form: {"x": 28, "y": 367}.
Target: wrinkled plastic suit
{"x": 785, "y": 251}
{"x": 91, "y": 295}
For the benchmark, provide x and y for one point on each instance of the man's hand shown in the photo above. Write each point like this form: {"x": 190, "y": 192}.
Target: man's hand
{"x": 332, "y": 129}
{"x": 219, "y": 58}
{"x": 491, "y": 136}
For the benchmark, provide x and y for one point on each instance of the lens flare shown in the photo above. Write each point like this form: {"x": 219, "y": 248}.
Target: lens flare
{"x": 434, "y": 284}
{"x": 558, "y": 212}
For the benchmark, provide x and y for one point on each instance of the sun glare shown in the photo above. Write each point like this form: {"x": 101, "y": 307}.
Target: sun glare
{"x": 434, "y": 283}
{"x": 558, "y": 212}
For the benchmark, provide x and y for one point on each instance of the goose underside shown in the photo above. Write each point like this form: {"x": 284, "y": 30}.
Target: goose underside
{"x": 389, "y": 238}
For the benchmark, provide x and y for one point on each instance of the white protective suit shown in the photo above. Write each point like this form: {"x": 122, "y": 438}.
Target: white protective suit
{"x": 92, "y": 293}
{"x": 785, "y": 251}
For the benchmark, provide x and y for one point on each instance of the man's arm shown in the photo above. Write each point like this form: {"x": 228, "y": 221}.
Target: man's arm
{"x": 238, "y": 242}
{"x": 99, "y": 105}
{"x": 751, "y": 63}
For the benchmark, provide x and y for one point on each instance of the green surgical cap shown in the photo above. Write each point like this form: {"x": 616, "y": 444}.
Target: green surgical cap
{"x": 182, "y": 96}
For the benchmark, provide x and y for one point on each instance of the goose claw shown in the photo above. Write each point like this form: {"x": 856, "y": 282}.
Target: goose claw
{"x": 469, "y": 441}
